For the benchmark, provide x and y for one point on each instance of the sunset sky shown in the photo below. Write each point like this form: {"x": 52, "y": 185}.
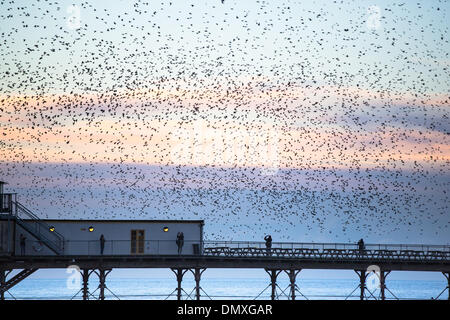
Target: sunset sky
{"x": 316, "y": 121}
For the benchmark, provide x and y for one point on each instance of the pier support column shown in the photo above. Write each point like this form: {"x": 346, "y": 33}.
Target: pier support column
{"x": 85, "y": 277}
{"x": 447, "y": 275}
{"x": 2, "y": 284}
{"x": 292, "y": 276}
{"x": 273, "y": 273}
{"x": 179, "y": 273}
{"x": 362, "y": 282}
{"x": 383, "y": 275}
{"x": 197, "y": 275}
{"x": 448, "y": 283}
{"x": 102, "y": 278}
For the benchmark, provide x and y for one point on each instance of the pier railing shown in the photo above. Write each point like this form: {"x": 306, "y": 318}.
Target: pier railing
{"x": 323, "y": 246}
{"x": 118, "y": 247}
{"x": 327, "y": 250}
{"x": 250, "y": 249}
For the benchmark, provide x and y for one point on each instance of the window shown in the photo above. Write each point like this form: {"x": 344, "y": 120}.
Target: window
{"x": 137, "y": 241}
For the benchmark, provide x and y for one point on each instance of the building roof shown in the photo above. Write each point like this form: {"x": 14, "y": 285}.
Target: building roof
{"x": 5, "y": 217}
{"x": 119, "y": 220}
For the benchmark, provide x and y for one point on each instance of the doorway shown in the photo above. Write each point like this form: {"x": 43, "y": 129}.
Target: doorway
{"x": 137, "y": 241}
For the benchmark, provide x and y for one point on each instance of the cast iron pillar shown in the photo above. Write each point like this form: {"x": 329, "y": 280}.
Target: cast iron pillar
{"x": 362, "y": 282}
{"x": 273, "y": 273}
{"x": 179, "y": 273}
{"x": 85, "y": 277}
{"x": 383, "y": 275}
{"x": 197, "y": 275}
{"x": 292, "y": 276}
{"x": 448, "y": 282}
{"x": 102, "y": 278}
{"x": 2, "y": 284}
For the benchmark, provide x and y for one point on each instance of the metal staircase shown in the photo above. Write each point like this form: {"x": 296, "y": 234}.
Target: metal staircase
{"x": 12, "y": 209}
{"x": 39, "y": 229}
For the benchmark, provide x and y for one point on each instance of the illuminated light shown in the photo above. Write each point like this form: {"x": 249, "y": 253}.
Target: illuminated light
{"x": 91, "y": 229}
{"x": 165, "y": 229}
{"x": 52, "y": 229}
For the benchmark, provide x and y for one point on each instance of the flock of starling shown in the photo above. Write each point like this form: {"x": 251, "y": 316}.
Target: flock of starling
{"x": 351, "y": 106}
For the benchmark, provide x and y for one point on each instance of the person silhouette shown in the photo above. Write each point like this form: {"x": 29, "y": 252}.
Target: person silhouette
{"x": 23, "y": 240}
{"x": 268, "y": 240}
{"x": 180, "y": 241}
{"x": 102, "y": 243}
{"x": 361, "y": 246}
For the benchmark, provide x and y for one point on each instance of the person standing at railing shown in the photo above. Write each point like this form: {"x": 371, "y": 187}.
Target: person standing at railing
{"x": 268, "y": 240}
{"x": 180, "y": 241}
{"x": 23, "y": 240}
{"x": 102, "y": 244}
{"x": 361, "y": 246}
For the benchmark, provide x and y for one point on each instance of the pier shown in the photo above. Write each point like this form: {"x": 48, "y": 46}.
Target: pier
{"x": 79, "y": 245}
{"x": 289, "y": 258}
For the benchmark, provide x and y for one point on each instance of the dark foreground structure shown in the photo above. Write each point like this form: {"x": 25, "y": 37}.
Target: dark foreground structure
{"x": 49, "y": 249}
{"x": 379, "y": 260}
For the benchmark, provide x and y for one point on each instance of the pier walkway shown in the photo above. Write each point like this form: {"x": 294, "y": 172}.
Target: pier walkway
{"x": 290, "y": 258}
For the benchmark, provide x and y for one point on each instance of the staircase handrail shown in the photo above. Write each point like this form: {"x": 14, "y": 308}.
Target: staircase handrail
{"x": 58, "y": 240}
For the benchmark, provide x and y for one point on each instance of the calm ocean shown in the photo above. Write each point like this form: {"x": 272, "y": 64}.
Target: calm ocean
{"x": 224, "y": 289}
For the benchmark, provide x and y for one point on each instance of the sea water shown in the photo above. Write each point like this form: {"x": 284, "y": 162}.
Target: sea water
{"x": 222, "y": 289}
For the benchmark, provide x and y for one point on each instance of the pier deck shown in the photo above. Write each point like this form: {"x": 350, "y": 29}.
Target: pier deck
{"x": 342, "y": 261}
{"x": 282, "y": 257}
